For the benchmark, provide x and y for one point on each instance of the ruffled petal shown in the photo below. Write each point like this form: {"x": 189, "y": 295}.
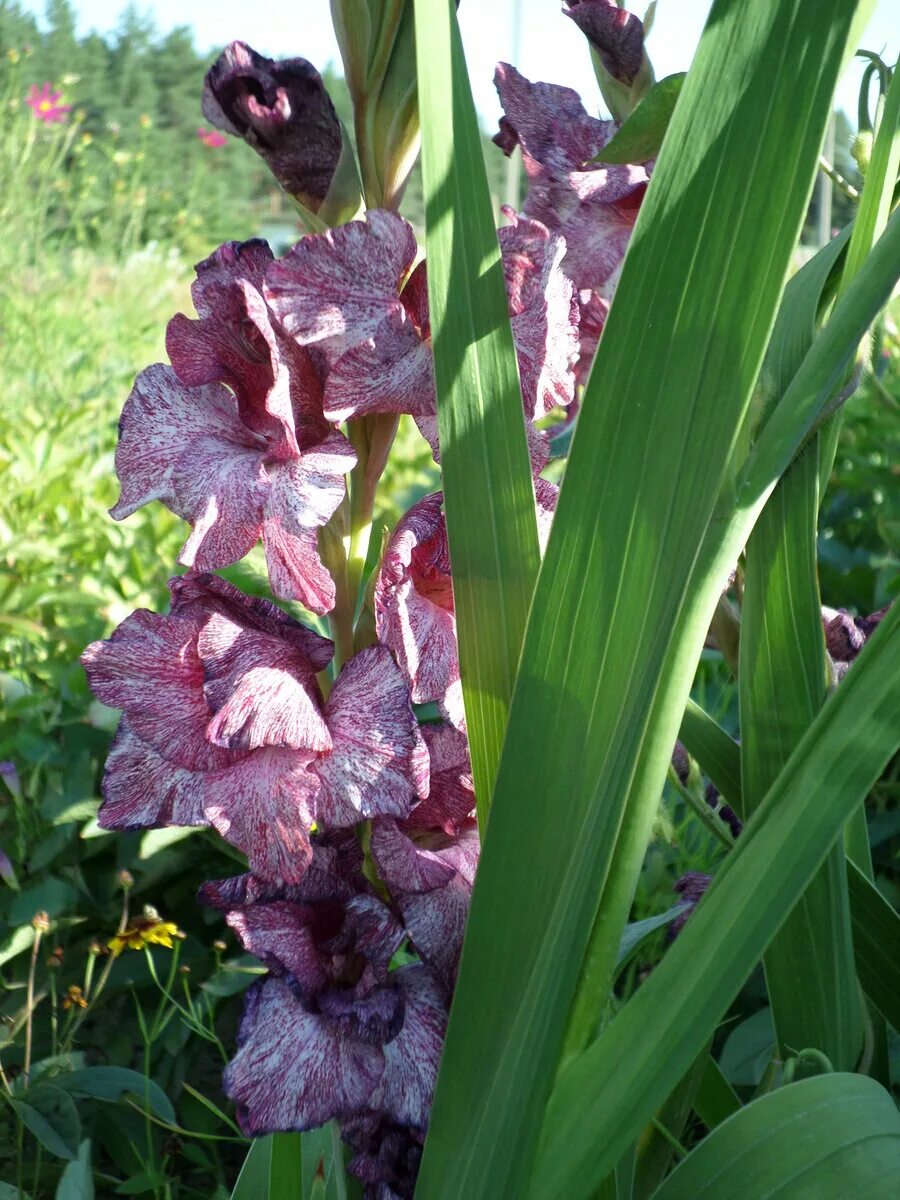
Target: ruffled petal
{"x": 304, "y": 495}
{"x": 295, "y": 1070}
{"x": 335, "y": 288}
{"x": 279, "y": 935}
{"x": 544, "y": 314}
{"x": 263, "y": 693}
{"x": 391, "y": 371}
{"x": 451, "y": 796}
{"x": 143, "y": 790}
{"x": 221, "y": 491}
{"x": 334, "y": 874}
{"x": 161, "y": 421}
{"x": 379, "y": 763}
{"x": 411, "y": 1060}
{"x": 150, "y": 668}
{"x": 414, "y": 613}
{"x": 264, "y": 806}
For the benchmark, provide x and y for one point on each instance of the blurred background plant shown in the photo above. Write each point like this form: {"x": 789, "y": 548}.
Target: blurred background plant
{"x": 110, "y": 187}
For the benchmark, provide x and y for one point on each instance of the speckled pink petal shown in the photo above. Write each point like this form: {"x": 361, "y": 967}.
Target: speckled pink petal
{"x": 335, "y": 288}
{"x": 546, "y": 494}
{"x": 411, "y": 1060}
{"x": 143, "y": 790}
{"x": 549, "y": 122}
{"x": 436, "y": 924}
{"x": 160, "y": 422}
{"x": 262, "y": 691}
{"x": 414, "y": 613}
{"x": 451, "y": 796}
{"x": 230, "y": 264}
{"x": 389, "y": 372}
{"x": 304, "y": 496}
{"x": 294, "y": 1070}
{"x": 279, "y": 935}
{"x": 221, "y": 490}
{"x": 379, "y": 763}
{"x": 264, "y": 806}
{"x": 334, "y": 874}
{"x": 544, "y": 314}
{"x": 149, "y": 667}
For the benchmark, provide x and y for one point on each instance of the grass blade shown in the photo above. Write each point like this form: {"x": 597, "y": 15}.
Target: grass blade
{"x": 829, "y": 1137}
{"x": 603, "y": 684}
{"x": 605, "y": 1097}
{"x": 809, "y": 966}
{"x": 488, "y": 493}
{"x": 876, "y": 939}
{"x": 718, "y": 754}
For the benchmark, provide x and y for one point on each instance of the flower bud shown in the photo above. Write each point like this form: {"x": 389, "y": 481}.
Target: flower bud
{"x": 282, "y": 110}
{"x": 380, "y": 69}
{"x": 40, "y": 922}
{"x": 621, "y": 64}
{"x": 125, "y": 879}
{"x": 219, "y": 946}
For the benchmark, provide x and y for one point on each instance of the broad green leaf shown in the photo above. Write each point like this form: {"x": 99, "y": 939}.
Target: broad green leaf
{"x": 608, "y": 660}
{"x": 109, "y": 1083}
{"x": 876, "y": 941}
{"x": 253, "y": 1181}
{"x": 77, "y": 1181}
{"x": 717, "y": 753}
{"x": 636, "y": 933}
{"x": 603, "y": 1099}
{"x": 271, "y": 1170}
{"x": 641, "y": 136}
{"x": 488, "y": 492}
{"x": 748, "y": 1050}
{"x": 715, "y": 1100}
{"x": 826, "y": 1138}
{"x": 809, "y": 966}
{"x": 50, "y": 1114}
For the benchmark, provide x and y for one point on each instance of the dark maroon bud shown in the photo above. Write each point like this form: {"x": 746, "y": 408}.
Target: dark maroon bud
{"x": 282, "y": 110}
{"x": 616, "y": 35}
{"x": 681, "y": 763}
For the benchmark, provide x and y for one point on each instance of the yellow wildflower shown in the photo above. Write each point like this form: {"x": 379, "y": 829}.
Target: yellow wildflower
{"x": 148, "y": 930}
{"x": 74, "y": 998}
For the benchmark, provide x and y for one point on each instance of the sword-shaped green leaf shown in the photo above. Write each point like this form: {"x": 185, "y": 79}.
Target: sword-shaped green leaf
{"x": 489, "y": 498}
{"x": 603, "y": 683}
{"x": 603, "y": 1099}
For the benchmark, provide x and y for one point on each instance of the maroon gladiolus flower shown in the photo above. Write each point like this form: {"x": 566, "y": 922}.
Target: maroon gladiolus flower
{"x": 616, "y": 35}
{"x": 222, "y": 716}
{"x": 377, "y": 337}
{"x": 592, "y": 206}
{"x": 224, "y": 725}
{"x": 232, "y": 437}
{"x": 44, "y": 102}
{"x": 283, "y": 111}
{"x": 333, "y": 1032}
{"x": 414, "y": 612}
{"x": 691, "y": 887}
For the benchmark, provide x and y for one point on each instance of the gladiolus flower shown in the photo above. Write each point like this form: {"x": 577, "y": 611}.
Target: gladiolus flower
{"x": 332, "y": 1032}
{"x": 44, "y": 102}
{"x": 232, "y": 437}
{"x": 845, "y": 636}
{"x": 224, "y": 725}
{"x": 377, "y": 337}
{"x": 616, "y": 35}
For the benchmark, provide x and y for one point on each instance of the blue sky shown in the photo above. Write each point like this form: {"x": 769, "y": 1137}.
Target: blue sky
{"x": 550, "y": 46}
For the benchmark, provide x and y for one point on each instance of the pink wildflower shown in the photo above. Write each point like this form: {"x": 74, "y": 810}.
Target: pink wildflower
{"x": 211, "y": 137}
{"x": 45, "y": 104}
